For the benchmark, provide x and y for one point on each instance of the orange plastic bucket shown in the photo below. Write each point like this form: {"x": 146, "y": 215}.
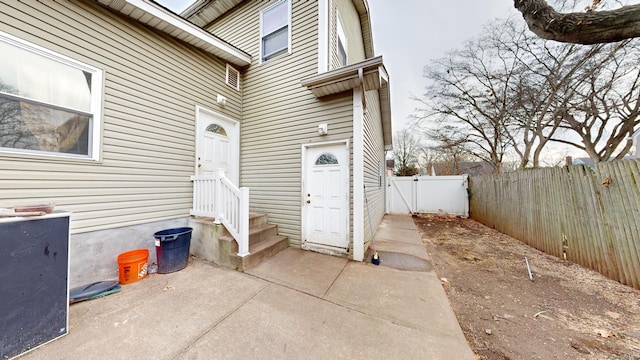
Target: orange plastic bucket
{"x": 132, "y": 266}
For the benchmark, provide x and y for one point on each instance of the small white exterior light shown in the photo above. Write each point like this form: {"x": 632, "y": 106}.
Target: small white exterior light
{"x": 323, "y": 129}
{"x": 221, "y": 100}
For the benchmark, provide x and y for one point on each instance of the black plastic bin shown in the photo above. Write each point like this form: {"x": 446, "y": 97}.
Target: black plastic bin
{"x": 172, "y": 249}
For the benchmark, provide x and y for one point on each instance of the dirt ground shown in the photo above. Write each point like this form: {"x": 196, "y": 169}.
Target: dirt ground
{"x": 567, "y": 312}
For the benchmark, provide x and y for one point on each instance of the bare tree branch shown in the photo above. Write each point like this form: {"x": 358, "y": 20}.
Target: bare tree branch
{"x": 589, "y": 27}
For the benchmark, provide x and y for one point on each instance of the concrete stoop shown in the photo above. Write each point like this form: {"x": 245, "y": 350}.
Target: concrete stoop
{"x": 214, "y": 243}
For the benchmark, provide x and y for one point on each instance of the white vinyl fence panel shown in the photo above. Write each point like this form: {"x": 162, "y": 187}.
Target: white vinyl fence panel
{"x": 428, "y": 194}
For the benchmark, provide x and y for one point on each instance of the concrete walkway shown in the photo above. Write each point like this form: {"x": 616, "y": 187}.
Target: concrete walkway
{"x": 296, "y": 305}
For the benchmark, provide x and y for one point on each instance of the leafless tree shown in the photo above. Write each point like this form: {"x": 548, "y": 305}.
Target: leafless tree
{"x": 604, "y": 109}
{"x": 549, "y": 86}
{"x": 446, "y": 160}
{"x": 588, "y": 27}
{"x": 406, "y": 151}
{"x": 467, "y": 105}
{"x": 538, "y": 91}
{"x": 509, "y": 93}
{"x": 11, "y": 128}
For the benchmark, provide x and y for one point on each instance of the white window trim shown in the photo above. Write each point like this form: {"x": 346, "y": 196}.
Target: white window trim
{"x": 226, "y": 78}
{"x": 96, "y": 99}
{"x": 323, "y": 36}
{"x": 262, "y": 34}
{"x": 342, "y": 38}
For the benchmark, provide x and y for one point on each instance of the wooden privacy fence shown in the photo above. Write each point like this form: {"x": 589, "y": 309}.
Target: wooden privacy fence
{"x": 591, "y": 216}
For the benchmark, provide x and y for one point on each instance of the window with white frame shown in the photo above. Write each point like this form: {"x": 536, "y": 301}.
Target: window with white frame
{"x": 342, "y": 44}
{"x": 49, "y": 104}
{"x": 275, "y": 30}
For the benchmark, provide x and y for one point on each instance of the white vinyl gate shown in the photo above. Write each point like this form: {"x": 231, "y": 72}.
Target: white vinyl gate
{"x": 428, "y": 194}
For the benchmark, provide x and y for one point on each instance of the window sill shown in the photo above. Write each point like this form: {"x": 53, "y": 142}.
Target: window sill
{"x": 12, "y": 155}
{"x": 276, "y": 59}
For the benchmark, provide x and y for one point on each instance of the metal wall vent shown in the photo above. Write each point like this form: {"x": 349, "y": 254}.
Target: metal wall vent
{"x": 233, "y": 77}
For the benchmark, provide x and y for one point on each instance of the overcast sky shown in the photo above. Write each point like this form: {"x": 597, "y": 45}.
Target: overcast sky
{"x": 409, "y": 35}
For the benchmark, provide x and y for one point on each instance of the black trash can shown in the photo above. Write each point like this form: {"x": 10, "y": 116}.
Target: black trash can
{"x": 172, "y": 249}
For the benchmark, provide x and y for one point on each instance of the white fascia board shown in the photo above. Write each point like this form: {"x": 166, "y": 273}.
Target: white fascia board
{"x": 180, "y": 23}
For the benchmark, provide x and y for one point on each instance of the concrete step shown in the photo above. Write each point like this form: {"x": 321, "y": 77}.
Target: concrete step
{"x": 257, "y": 234}
{"x": 260, "y": 251}
{"x": 261, "y": 232}
{"x": 216, "y": 244}
{"x": 257, "y": 219}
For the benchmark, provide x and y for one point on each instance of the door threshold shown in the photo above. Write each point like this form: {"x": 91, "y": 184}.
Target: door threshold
{"x": 325, "y": 249}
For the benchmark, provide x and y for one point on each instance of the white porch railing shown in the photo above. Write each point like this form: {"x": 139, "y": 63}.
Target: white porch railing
{"x": 215, "y": 196}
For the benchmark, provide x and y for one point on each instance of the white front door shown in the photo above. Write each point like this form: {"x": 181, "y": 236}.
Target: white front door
{"x": 326, "y": 196}
{"x": 217, "y": 144}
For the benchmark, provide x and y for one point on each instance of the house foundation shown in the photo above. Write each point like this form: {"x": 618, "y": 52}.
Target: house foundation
{"x": 93, "y": 256}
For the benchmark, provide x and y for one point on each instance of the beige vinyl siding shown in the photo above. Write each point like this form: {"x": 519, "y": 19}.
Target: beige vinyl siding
{"x": 279, "y": 115}
{"x": 151, "y": 87}
{"x": 373, "y": 163}
{"x": 350, "y": 21}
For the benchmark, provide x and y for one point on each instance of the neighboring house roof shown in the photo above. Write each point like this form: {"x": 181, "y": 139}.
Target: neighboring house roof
{"x": 587, "y": 161}
{"x": 476, "y": 168}
{"x": 464, "y": 167}
{"x": 635, "y": 136}
{"x": 369, "y": 73}
{"x": 152, "y": 14}
{"x": 583, "y": 161}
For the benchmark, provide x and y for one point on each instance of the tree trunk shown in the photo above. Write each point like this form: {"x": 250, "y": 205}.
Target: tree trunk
{"x": 590, "y": 27}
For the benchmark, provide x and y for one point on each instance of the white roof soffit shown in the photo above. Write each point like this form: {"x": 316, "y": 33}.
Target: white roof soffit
{"x": 385, "y": 109}
{"x": 204, "y": 12}
{"x": 154, "y": 15}
{"x": 374, "y": 77}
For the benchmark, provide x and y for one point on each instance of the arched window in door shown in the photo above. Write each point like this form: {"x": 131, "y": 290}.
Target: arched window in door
{"x": 217, "y": 129}
{"x": 327, "y": 159}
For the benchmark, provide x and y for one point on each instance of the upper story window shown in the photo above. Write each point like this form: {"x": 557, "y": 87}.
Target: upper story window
{"x": 342, "y": 44}
{"x": 49, "y": 104}
{"x": 275, "y": 30}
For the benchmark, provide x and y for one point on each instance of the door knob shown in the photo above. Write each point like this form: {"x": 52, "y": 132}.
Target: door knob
{"x": 308, "y": 201}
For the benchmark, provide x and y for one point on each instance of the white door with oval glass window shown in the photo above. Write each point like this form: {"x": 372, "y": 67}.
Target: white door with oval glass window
{"x": 326, "y": 196}
{"x": 217, "y": 144}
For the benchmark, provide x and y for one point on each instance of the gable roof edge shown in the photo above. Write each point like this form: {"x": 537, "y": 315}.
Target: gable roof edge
{"x": 150, "y": 13}
{"x": 365, "y": 24}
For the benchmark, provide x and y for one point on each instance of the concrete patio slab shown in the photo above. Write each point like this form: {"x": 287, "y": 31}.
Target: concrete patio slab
{"x": 288, "y": 324}
{"x": 398, "y": 235}
{"x": 399, "y": 245}
{"x": 296, "y": 305}
{"x": 154, "y": 318}
{"x": 397, "y": 222}
{"x": 302, "y": 270}
{"x": 404, "y": 247}
{"x": 380, "y": 289}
